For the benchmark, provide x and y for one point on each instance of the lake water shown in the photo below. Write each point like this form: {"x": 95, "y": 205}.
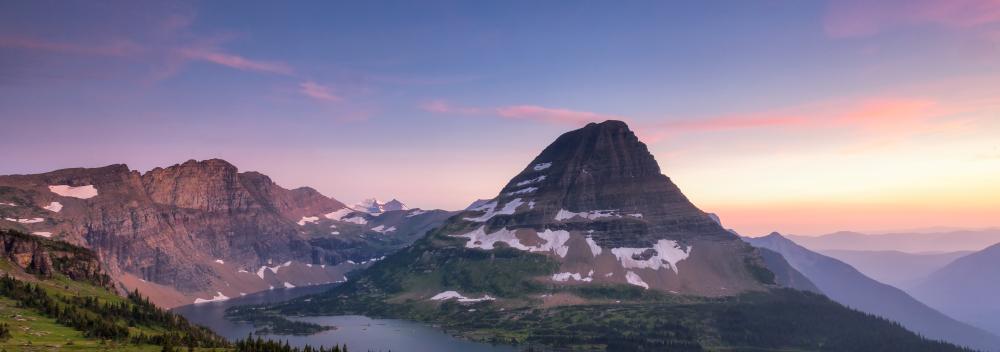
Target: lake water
{"x": 358, "y": 332}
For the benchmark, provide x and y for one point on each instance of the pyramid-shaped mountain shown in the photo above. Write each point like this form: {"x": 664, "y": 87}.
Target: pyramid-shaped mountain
{"x": 590, "y": 247}
{"x": 595, "y": 202}
{"x": 593, "y": 209}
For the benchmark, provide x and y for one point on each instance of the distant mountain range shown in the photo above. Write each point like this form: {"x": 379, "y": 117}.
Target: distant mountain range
{"x": 899, "y": 269}
{"x": 202, "y": 230}
{"x": 968, "y": 289}
{"x": 921, "y": 242}
{"x": 844, "y": 284}
{"x": 374, "y": 206}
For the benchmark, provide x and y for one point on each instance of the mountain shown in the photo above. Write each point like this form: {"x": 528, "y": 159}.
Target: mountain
{"x": 202, "y": 230}
{"x": 596, "y": 204}
{"x": 373, "y": 206}
{"x": 591, "y": 247}
{"x": 844, "y": 284}
{"x": 916, "y": 242}
{"x": 968, "y": 289}
{"x": 899, "y": 269}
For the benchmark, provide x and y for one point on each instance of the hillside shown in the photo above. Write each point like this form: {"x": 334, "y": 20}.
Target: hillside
{"x": 844, "y": 284}
{"x": 203, "y": 230}
{"x": 54, "y": 295}
{"x": 967, "y": 289}
{"x": 899, "y": 269}
{"x": 592, "y": 247}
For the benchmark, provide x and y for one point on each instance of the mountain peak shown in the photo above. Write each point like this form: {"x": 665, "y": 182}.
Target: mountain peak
{"x": 595, "y": 203}
{"x": 603, "y": 171}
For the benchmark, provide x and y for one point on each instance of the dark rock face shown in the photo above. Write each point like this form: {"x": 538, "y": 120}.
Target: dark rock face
{"x": 605, "y": 167}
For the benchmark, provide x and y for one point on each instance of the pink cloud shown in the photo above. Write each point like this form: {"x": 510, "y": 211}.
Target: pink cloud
{"x": 886, "y": 119}
{"x": 117, "y": 47}
{"x": 319, "y": 92}
{"x": 234, "y": 61}
{"x": 521, "y": 112}
{"x": 444, "y": 107}
{"x": 858, "y": 18}
{"x": 554, "y": 115}
{"x": 735, "y": 122}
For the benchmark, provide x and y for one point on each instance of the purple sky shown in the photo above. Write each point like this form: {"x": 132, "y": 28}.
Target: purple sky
{"x": 799, "y": 116}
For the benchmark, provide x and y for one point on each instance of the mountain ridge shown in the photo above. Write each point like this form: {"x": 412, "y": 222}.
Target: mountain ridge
{"x": 202, "y": 229}
{"x": 846, "y": 285}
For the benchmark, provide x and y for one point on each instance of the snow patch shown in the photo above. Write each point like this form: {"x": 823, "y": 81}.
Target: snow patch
{"x": 635, "y": 279}
{"x": 446, "y": 295}
{"x": 338, "y": 214}
{"x": 219, "y": 297}
{"x": 534, "y": 180}
{"x": 82, "y": 192}
{"x": 356, "y": 219}
{"x": 273, "y": 269}
{"x": 25, "y": 221}
{"x": 307, "y": 219}
{"x": 53, "y": 207}
{"x": 491, "y": 211}
{"x": 594, "y": 248}
{"x": 288, "y": 285}
{"x": 383, "y": 229}
{"x": 590, "y": 215}
{"x": 542, "y": 166}
{"x": 243, "y": 271}
{"x": 8, "y": 204}
{"x": 415, "y": 212}
{"x": 555, "y": 241}
{"x": 563, "y": 277}
{"x": 43, "y": 234}
{"x": 334, "y": 232}
{"x": 220, "y": 261}
{"x": 522, "y": 191}
{"x": 668, "y": 254}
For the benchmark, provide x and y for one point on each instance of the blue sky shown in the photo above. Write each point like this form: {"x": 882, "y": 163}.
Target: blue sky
{"x": 755, "y": 108}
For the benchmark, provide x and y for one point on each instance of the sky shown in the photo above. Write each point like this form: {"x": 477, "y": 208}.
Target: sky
{"x": 804, "y": 117}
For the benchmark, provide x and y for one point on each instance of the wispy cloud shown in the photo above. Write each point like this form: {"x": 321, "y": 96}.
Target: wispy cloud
{"x": 233, "y": 61}
{"x": 858, "y": 18}
{"x": 319, "y": 92}
{"x": 521, "y": 112}
{"x": 554, "y": 115}
{"x": 444, "y": 107}
{"x": 874, "y": 121}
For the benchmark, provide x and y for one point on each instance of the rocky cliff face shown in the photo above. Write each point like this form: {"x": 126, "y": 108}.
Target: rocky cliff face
{"x": 194, "y": 230}
{"x": 44, "y": 258}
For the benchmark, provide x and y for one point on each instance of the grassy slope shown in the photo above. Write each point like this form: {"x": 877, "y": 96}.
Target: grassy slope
{"x": 32, "y": 330}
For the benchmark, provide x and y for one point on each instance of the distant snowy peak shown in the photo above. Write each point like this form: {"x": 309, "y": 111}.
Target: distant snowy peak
{"x": 373, "y": 206}
{"x": 370, "y": 205}
{"x": 394, "y": 205}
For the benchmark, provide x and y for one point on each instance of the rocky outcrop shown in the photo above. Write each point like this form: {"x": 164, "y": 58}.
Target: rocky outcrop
{"x": 199, "y": 227}
{"x": 45, "y": 258}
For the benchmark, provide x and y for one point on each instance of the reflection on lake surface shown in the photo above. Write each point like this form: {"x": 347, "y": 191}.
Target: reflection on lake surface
{"x": 358, "y": 332}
